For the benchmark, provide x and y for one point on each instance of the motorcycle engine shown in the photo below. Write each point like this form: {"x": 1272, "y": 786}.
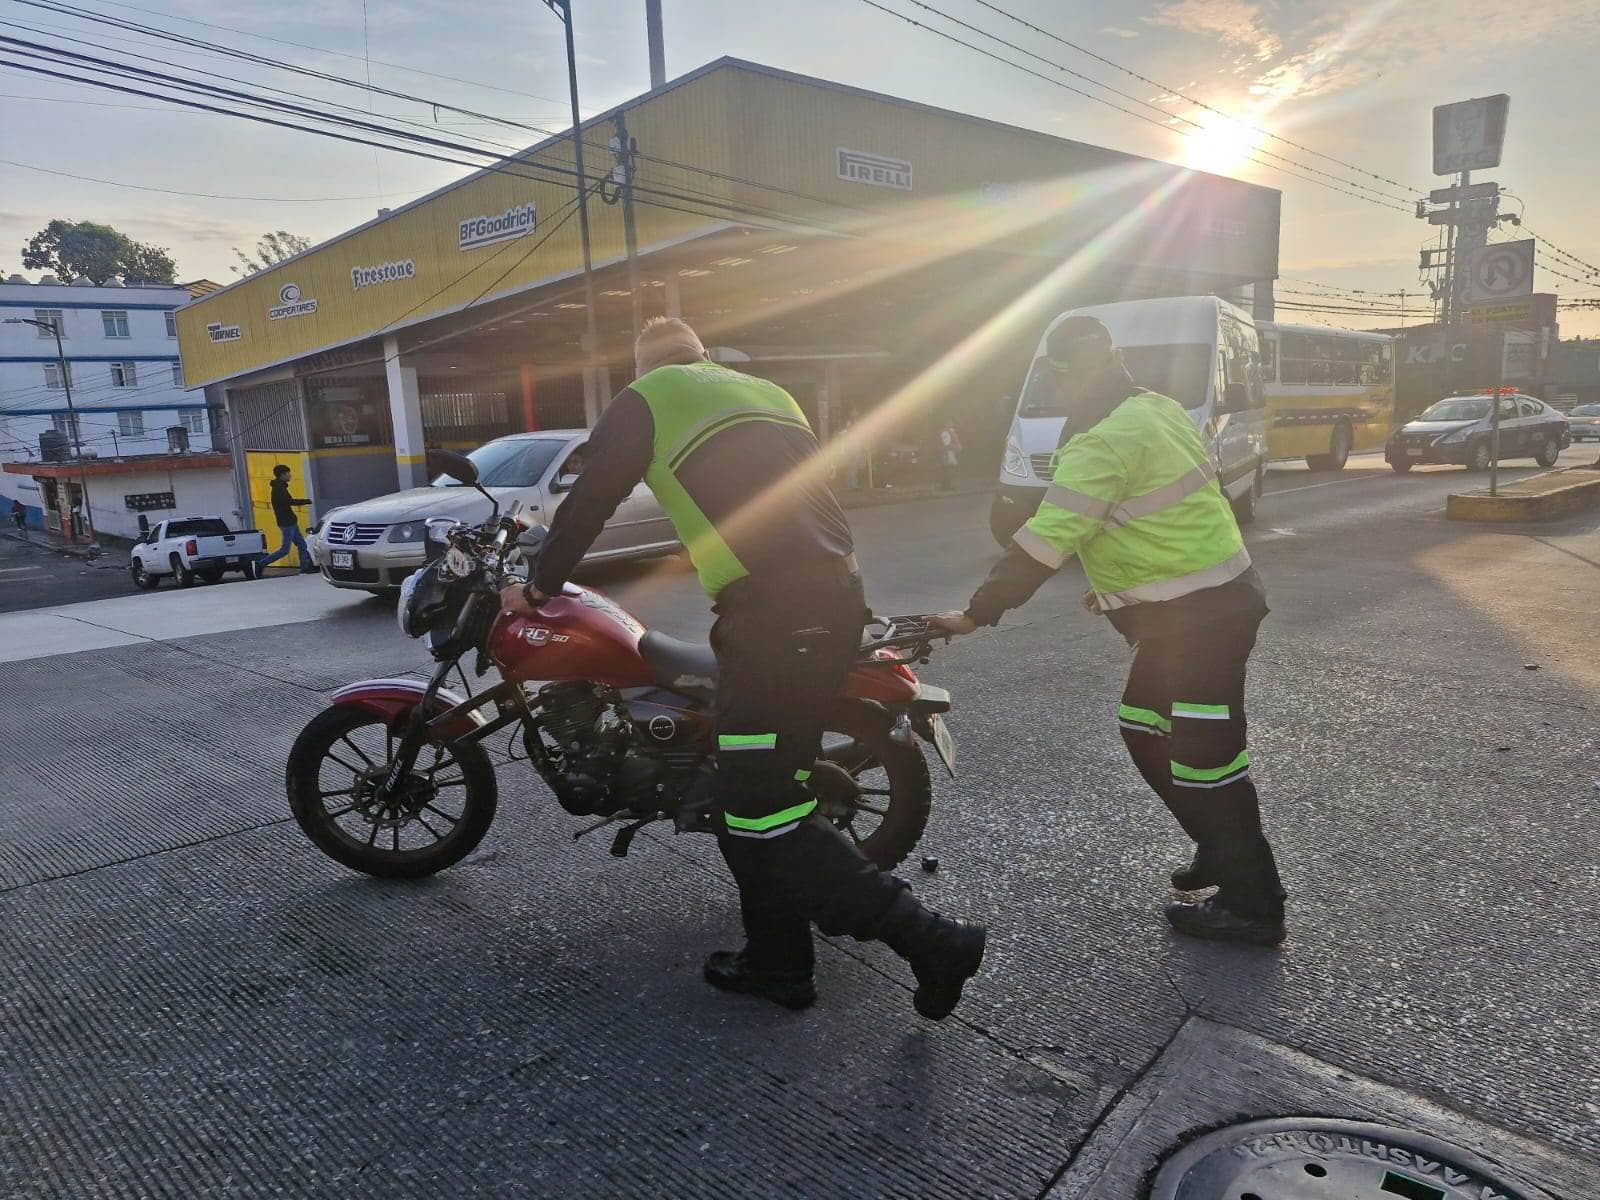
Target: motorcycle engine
{"x": 598, "y": 766}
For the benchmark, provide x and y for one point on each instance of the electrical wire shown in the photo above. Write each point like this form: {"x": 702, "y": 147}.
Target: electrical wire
{"x": 199, "y": 195}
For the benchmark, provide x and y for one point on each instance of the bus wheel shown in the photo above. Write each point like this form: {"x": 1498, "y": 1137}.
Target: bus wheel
{"x": 1338, "y": 450}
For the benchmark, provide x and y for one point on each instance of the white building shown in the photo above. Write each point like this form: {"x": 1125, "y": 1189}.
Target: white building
{"x": 146, "y": 440}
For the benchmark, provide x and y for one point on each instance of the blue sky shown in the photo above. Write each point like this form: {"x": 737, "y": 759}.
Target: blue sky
{"x": 1352, "y": 79}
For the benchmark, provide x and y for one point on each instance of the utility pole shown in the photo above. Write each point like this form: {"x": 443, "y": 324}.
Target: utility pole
{"x": 72, "y": 413}
{"x": 591, "y": 374}
{"x": 658, "y": 55}
{"x": 625, "y": 148}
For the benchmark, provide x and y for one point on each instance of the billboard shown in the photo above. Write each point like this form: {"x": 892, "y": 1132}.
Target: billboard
{"x": 1467, "y": 135}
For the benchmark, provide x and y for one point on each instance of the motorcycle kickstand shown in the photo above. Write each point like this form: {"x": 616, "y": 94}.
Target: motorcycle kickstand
{"x": 625, "y": 836}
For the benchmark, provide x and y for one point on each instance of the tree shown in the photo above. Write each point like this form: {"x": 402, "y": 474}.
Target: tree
{"x": 272, "y": 249}
{"x": 86, "y": 250}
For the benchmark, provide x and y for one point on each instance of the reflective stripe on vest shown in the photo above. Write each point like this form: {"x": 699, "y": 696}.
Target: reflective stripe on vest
{"x": 1165, "y": 496}
{"x": 1170, "y": 589}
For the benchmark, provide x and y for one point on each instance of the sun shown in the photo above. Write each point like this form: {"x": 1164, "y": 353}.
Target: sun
{"x": 1221, "y": 144}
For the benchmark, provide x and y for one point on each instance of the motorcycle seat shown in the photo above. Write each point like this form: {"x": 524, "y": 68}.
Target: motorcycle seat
{"x": 683, "y": 666}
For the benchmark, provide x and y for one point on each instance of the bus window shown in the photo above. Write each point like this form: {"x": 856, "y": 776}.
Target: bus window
{"x": 1269, "y": 357}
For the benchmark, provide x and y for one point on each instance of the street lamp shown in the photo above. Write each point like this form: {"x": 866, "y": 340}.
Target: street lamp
{"x": 591, "y": 397}
{"x": 72, "y": 413}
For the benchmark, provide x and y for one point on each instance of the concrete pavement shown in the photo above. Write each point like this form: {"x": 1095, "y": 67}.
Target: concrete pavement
{"x": 196, "y": 1003}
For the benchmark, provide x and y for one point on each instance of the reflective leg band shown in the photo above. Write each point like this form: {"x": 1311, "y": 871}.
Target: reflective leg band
{"x": 1211, "y": 777}
{"x": 1200, "y": 712}
{"x": 747, "y": 741}
{"x": 769, "y": 826}
{"x": 801, "y": 776}
{"x": 1146, "y": 720}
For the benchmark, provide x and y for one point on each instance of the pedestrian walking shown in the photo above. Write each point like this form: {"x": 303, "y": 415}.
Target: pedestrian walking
{"x": 949, "y": 456}
{"x": 733, "y": 462}
{"x": 1135, "y": 497}
{"x": 19, "y": 517}
{"x": 283, "y": 506}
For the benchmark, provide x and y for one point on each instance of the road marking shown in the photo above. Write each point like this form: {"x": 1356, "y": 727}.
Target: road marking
{"x": 1331, "y": 483}
{"x": 14, "y": 570}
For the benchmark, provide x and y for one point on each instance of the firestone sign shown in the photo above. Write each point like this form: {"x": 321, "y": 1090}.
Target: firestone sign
{"x": 389, "y": 272}
{"x": 517, "y": 221}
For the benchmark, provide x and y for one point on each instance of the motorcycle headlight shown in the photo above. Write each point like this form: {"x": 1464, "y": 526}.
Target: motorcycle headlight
{"x": 411, "y": 531}
{"x": 1016, "y": 463}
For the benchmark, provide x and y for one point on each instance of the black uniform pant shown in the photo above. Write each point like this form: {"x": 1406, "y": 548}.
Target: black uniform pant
{"x": 1182, "y": 717}
{"x": 784, "y": 648}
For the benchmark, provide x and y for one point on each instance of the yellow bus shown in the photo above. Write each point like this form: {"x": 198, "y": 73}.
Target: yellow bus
{"x": 1330, "y": 392}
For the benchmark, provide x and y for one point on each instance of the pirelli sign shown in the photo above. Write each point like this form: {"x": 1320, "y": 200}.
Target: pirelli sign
{"x": 874, "y": 170}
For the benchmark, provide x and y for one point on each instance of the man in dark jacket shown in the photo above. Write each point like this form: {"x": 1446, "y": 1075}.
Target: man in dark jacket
{"x": 283, "y": 506}
{"x": 734, "y": 464}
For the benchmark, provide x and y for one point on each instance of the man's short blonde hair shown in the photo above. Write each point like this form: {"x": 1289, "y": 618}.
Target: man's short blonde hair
{"x": 665, "y": 341}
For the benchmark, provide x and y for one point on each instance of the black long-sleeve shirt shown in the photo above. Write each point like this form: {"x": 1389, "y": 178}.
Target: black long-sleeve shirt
{"x": 283, "y": 504}
{"x": 722, "y": 475}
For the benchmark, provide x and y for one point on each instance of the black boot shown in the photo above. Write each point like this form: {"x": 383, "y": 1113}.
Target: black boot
{"x": 1195, "y": 876}
{"x": 943, "y": 953}
{"x": 1210, "y": 920}
{"x": 731, "y": 971}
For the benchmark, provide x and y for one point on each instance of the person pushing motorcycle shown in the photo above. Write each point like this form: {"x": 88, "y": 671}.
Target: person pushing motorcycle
{"x": 1135, "y": 497}
{"x": 732, "y": 460}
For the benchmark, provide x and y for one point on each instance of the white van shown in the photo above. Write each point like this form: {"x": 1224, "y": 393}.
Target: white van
{"x": 1199, "y": 350}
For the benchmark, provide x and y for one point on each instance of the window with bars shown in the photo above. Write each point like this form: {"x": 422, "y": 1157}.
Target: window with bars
{"x": 124, "y": 374}
{"x": 53, "y": 317}
{"x": 115, "y": 323}
{"x": 130, "y": 424}
{"x": 53, "y": 378}
{"x": 172, "y": 323}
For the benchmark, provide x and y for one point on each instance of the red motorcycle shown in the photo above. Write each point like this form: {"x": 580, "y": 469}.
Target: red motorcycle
{"x": 394, "y": 778}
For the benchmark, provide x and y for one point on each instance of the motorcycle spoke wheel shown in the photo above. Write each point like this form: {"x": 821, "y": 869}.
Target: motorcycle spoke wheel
{"x": 873, "y": 789}
{"x": 434, "y": 817}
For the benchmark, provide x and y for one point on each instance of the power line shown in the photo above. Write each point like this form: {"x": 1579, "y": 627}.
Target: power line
{"x": 1109, "y": 104}
{"x": 200, "y": 195}
{"x": 1172, "y": 91}
{"x": 1167, "y": 115}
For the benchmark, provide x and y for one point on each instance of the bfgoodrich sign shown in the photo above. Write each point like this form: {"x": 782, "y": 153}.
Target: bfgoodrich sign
{"x": 515, "y": 222}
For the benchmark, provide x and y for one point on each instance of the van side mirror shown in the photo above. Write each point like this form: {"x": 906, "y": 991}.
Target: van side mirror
{"x": 1235, "y": 398}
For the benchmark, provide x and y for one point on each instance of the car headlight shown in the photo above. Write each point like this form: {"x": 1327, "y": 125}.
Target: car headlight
{"x": 411, "y": 531}
{"x": 1016, "y": 463}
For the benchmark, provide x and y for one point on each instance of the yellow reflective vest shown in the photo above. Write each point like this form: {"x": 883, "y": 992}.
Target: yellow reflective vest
{"x": 1136, "y": 498}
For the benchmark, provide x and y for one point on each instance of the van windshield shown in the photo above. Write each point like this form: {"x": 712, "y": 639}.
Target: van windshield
{"x": 510, "y": 462}
{"x": 1181, "y": 370}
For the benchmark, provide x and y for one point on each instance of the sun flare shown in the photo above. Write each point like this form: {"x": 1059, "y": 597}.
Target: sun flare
{"x": 1221, "y": 144}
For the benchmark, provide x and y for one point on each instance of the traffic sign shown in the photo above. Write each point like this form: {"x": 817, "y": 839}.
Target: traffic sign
{"x": 1473, "y": 191}
{"x": 1503, "y": 271}
{"x": 1468, "y": 135}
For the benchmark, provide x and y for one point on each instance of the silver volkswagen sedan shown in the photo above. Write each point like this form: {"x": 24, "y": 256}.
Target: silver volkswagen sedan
{"x": 372, "y": 546}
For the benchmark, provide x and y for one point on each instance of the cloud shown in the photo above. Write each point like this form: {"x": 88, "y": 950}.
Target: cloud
{"x": 1238, "y": 24}
{"x": 1119, "y": 32}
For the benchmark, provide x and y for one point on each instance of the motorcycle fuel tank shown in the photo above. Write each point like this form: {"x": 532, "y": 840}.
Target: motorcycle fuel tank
{"x": 580, "y": 634}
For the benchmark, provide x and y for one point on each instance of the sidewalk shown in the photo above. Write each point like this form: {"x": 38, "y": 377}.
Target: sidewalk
{"x": 1540, "y": 497}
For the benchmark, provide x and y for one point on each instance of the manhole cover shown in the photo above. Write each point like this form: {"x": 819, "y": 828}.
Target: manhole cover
{"x": 1314, "y": 1158}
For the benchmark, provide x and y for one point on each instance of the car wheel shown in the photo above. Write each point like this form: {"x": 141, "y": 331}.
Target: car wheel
{"x": 1549, "y": 452}
{"x": 1479, "y": 458}
{"x": 214, "y": 575}
{"x": 142, "y": 579}
{"x": 185, "y": 576}
{"x": 1244, "y": 508}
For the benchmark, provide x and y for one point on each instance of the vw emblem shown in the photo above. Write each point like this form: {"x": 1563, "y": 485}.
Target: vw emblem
{"x": 349, "y": 533}
{"x": 289, "y": 293}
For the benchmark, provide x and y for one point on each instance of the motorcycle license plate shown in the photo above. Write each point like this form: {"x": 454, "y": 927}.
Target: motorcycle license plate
{"x": 944, "y": 744}
{"x": 344, "y": 559}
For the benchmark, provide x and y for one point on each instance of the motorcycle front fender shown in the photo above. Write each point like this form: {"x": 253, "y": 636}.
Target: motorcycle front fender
{"x": 393, "y": 700}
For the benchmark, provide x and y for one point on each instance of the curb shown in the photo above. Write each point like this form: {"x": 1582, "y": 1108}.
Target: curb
{"x": 1561, "y": 501}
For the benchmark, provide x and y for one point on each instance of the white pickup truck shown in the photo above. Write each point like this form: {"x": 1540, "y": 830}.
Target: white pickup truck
{"x": 195, "y": 547}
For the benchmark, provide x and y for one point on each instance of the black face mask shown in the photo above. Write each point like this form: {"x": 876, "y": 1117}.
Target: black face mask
{"x": 1093, "y": 400}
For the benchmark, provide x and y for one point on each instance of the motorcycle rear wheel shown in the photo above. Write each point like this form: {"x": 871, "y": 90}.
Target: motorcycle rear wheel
{"x": 874, "y": 789}
{"x": 444, "y": 808}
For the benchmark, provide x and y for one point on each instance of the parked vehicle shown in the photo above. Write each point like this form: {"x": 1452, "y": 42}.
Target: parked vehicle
{"x": 1460, "y": 429}
{"x": 1330, "y": 392}
{"x": 1584, "y": 423}
{"x": 394, "y": 778}
{"x": 376, "y": 544}
{"x": 190, "y": 548}
{"x": 1199, "y": 350}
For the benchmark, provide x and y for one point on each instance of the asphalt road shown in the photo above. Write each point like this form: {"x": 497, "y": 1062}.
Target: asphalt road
{"x": 196, "y": 1003}
{"x": 34, "y": 576}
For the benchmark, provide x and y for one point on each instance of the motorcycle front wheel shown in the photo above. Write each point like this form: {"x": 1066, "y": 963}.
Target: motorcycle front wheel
{"x": 873, "y": 788}
{"x": 434, "y": 819}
